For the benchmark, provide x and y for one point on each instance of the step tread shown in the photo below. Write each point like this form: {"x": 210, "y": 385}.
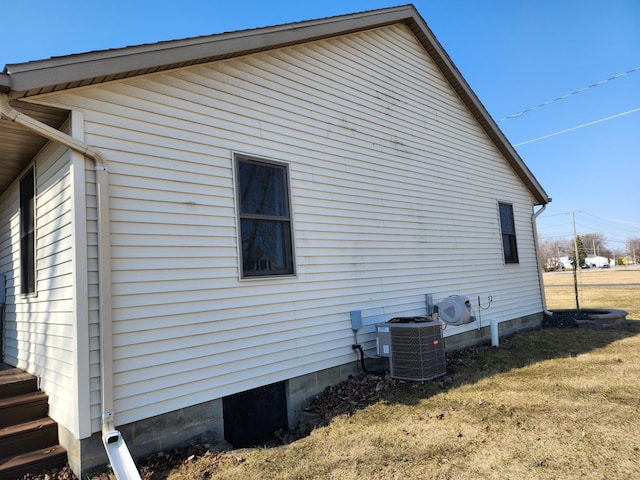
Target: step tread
{"x": 28, "y": 436}
{"x": 31, "y": 397}
{"x": 6, "y": 370}
{"x": 37, "y": 424}
{"x": 22, "y": 408}
{"x": 15, "y": 384}
{"x": 8, "y": 377}
{"x": 32, "y": 462}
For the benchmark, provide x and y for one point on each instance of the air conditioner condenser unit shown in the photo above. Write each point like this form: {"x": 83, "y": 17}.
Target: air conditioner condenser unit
{"x": 415, "y": 349}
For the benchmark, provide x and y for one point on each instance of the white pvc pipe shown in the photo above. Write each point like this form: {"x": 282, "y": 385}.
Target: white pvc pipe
{"x": 495, "y": 337}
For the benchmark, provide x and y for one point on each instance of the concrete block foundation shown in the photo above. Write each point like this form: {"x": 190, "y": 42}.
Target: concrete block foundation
{"x": 483, "y": 334}
{"x": 204, "y": 423}
{"x": 301, "y": 390}
{"x": 201, "y": 423}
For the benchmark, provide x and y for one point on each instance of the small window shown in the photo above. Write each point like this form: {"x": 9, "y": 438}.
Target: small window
{"x": 508, "y": 227}
{"x": 27, "y": 235}
{"x": 265, "y": 218}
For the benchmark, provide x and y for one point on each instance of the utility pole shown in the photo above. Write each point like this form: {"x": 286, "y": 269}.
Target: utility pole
{"x": 576, "y": 260}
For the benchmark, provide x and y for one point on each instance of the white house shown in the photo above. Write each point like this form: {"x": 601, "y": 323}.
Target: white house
{"x": 186, "y": 226}
{"x": 597, "y": 261}
{"x": 558, "y": 263}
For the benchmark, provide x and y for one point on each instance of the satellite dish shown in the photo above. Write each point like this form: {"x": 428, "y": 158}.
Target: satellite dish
{"x": 455, "y": 310}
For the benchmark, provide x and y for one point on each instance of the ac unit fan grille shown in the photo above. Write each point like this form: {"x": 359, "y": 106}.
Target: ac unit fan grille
{"x": 417, "y": 352}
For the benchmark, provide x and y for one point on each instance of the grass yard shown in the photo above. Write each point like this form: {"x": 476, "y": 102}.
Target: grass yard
{"x": 618, "y": 287}
{"x": 547, "y": 404}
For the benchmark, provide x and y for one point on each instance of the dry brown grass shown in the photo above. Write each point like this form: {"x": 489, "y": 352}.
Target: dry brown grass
{"x": 547, "y": 404}
{"x": 618, "y": 288}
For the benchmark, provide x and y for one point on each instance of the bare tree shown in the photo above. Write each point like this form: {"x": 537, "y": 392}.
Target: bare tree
{"x": 550, "y": 252}
{"x": 594, "y": 244}
{"x": 633, "y": 248}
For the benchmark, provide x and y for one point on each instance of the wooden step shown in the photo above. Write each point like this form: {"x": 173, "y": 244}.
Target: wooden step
{"x": 12, "y": 468}
{"x": 22, "y": 408}
{"x": 27, "y": 436}
{"x": 14, "y": 381}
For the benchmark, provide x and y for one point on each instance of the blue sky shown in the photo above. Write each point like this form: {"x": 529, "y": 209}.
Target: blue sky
{"x": 514, "y": 54}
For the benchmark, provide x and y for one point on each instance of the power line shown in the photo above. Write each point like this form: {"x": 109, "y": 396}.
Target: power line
{"x": 594, "y": 224}
{"x": 622, "y": 225}
{"x": 579, "y": 126}
{"x": 567, "y": 95}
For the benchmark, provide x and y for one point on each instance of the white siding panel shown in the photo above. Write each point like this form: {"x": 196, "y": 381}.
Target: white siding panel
{"x": 394, "y": 194}
{"x": 39, "y": 329}
{"x": 93, "y": 317}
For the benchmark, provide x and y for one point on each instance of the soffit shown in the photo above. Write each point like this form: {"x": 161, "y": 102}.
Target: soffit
{"x": 18, "y": 146}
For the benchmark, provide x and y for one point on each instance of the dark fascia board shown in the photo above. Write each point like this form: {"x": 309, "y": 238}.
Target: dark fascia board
{"x": 71, "y": 71}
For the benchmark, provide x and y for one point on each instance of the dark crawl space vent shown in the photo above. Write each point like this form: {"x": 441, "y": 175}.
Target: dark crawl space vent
{"x": 252, "y": 417}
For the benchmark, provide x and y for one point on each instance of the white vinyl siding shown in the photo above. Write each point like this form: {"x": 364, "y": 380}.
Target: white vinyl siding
{"x": 40, "y": 329}
{"x": 394, "y": 189}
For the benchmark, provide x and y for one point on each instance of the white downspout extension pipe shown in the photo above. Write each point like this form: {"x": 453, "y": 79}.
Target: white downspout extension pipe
{"x": 104, "y": 246}
{"x": 534, "y": 216}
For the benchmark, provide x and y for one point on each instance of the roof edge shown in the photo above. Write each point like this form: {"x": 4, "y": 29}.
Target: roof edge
{"x": 42, "y": 74}
{"x": 478, "y": 110}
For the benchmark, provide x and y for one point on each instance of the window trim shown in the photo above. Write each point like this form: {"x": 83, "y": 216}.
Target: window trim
{"x": 512, "y": 236}
{"x": 27, "y": 199}
{"x": 290, "y": 260}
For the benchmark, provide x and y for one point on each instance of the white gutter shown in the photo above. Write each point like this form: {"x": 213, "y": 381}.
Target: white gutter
{"x": 104, "y": 246}
{"x": 534, "y": 216}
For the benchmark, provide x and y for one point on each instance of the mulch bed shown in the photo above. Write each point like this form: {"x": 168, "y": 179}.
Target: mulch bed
{"x": 564, "y": 319}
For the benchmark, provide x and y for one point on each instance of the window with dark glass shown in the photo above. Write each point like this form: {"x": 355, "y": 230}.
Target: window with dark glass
{"x": 265, "y": 217}
{"x": 27, "y": 235}
{"x": 508, "y": 227}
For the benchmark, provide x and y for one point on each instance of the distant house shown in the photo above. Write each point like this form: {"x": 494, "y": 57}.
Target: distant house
{"x": 596, "y": 261}
{"x": 559, "y": 263}
{"x": 186, "y": 226}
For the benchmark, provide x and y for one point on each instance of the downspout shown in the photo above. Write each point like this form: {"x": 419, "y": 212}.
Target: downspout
{"x": 536, "y": 246}
{"x": 104, "y": 246}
